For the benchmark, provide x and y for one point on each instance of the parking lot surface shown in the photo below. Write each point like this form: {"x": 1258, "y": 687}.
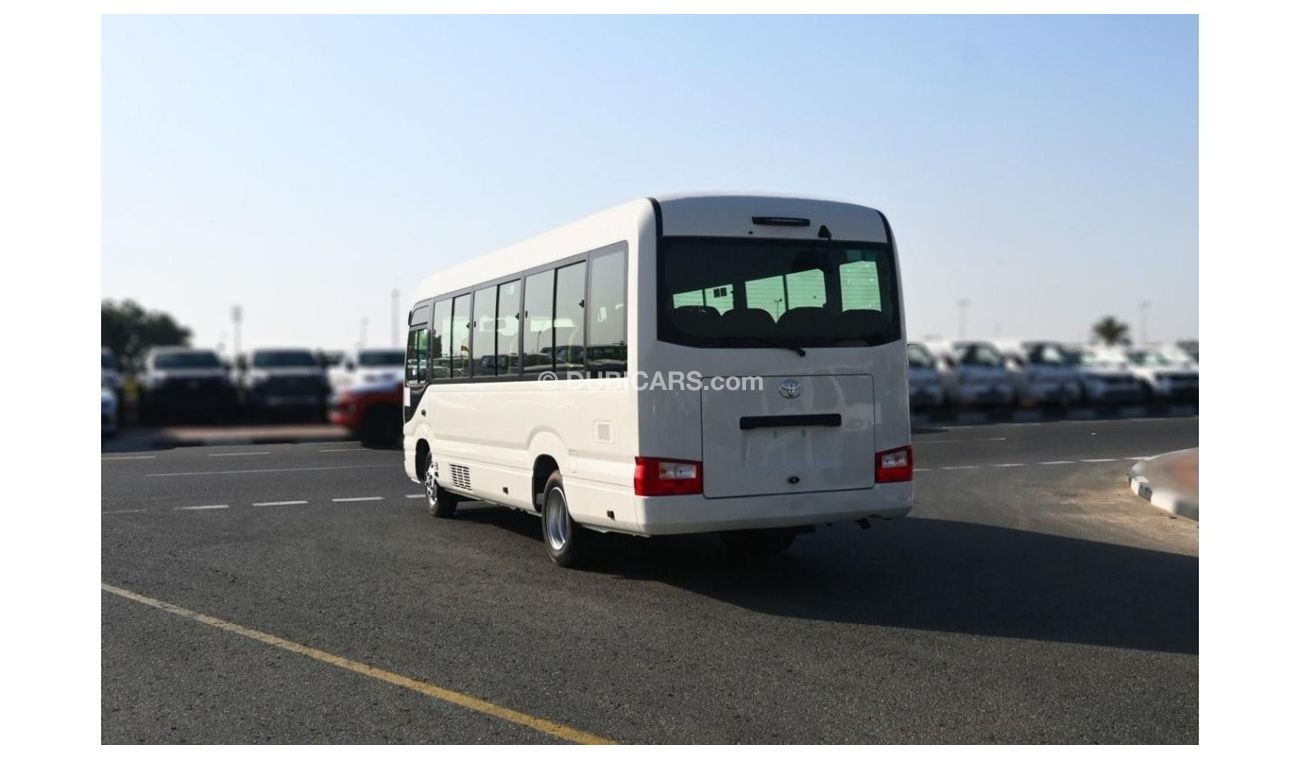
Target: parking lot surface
{"x": 1029, "y": 598}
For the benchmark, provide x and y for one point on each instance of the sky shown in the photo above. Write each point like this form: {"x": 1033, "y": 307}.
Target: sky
{"x": 1041, "y": 168}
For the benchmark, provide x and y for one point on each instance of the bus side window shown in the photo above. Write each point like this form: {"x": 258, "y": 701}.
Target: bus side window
{"x": 440, "y": 360}
{"x": 485, "y": 332}
{"x": 417, "y": 356}
{"x": 607, "y": 310}
{"x": 570, "y": 289}
{"x": 458, "y": 344}
{"x": 508, "y": 328}
{"x": 539, "y": 338}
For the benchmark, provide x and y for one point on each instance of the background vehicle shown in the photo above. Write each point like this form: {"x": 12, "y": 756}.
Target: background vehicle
{"x": 189, "y": 384}
{"x": 975, "y": 374}
{"x": 1166, "y": 380}
{"x": 1105, "y": 379}
{"x": 371, "y": 410}
{"x": 800, "y": 294}
{"x": 924, "y": 382}
{"x": 110, "y": 376}
{"x": 108, "y": 422}
{"x": 1042, "y": 372}
{"x": 1184, "y": 353}
{"x": 284, "y": 381}
{"x": 370, "y": 365}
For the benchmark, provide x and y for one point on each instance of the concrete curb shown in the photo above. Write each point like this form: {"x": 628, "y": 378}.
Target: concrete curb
{"x": 958, "y": 418}
{"x": 1163, "y": 497}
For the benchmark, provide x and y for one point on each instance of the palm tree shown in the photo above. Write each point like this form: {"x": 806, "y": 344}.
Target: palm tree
{"x": 1111, "y": 331}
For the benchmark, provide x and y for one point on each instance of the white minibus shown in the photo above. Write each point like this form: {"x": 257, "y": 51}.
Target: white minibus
{"x": 728, "y": 364}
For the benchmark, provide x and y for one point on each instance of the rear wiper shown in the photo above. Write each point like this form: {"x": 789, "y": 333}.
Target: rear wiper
{"x": 779, "y": 344}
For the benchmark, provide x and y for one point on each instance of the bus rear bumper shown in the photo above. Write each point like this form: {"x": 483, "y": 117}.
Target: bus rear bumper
{"x": 669, "y": 515}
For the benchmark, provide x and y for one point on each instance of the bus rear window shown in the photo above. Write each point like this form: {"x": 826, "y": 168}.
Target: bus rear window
{"x": 752, "y": 293}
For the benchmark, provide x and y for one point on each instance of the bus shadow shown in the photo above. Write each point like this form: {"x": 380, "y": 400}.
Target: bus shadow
{"x": 927, "y": 574}
{"x": 944, "y": 576}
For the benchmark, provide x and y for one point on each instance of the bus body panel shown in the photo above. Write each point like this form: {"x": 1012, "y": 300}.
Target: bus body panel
{"x": 671, "y": 515}
{"x": 733, "y": 216}
{"x": 880, "y": 407}
{"x": 752, "y": 448}
{"x": 493, "y": 432}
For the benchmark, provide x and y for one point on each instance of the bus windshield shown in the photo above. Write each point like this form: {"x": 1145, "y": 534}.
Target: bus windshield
{"x": 753, "y": 293}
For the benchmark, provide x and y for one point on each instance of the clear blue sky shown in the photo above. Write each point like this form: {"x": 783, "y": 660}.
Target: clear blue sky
{"x": 1045, "y": 168}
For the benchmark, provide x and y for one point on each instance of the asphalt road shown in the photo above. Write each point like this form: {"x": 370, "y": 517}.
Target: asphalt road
{"x": 1029, "y": 598}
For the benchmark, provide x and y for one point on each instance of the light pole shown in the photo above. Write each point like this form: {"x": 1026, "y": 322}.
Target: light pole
{"x": 362, "y": 342}
{"x": 397, "y": 295}
{"x": 236, "y": 317}
{"x": 1142, "y": 324}
{"x": 962, "y": 303}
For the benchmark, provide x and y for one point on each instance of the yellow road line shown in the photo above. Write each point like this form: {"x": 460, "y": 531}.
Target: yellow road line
{"x": 558, "y": 730}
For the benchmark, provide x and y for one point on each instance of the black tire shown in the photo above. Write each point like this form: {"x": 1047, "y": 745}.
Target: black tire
{"x": 567, "y": 543}
{"x": 439, "y": 501}
{"x": 753, "y": 544}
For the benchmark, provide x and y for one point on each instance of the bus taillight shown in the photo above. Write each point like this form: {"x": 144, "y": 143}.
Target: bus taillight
{"x": 894, "y": 466}
{"x": 667, "y": 477}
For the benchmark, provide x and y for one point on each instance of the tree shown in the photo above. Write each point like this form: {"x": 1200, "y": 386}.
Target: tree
{"x": 1111, "y": 331}
{"x": 129, "y": 330}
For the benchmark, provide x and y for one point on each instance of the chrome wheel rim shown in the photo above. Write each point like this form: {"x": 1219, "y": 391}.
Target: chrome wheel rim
{"x": 556, "y": 520}
{"x": 430, "y": 488}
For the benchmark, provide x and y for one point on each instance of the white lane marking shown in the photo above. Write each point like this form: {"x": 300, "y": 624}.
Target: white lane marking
{"x": 961, "y": 467}
{"x": 122, "y": 511}
{"x": 207, "y": 506}
{"x": 278, "y": 503}
{"x": 919, "y": 441}
{"x": 268, "y": 469}
{"x": 360, "y": 498}
{"x": 415, "y": 496}
{"x": 914, "y": 469}
{"x": 1060, "y": 461}
{"x": 1098, "y": 460}
{"x": 334, "y": 451}
{"x": 121, "y": 459}
{"x": 1010, "y": 464}
{"x": 242, "y": 454}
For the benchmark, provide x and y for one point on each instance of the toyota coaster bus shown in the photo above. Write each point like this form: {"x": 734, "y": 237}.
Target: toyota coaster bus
{"x": 695, "y": 363}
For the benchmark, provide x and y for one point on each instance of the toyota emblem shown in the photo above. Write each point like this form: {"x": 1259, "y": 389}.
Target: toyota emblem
{"x": 790, "y": 389}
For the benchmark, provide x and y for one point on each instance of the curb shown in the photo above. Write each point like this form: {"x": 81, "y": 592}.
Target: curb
{"x": 1167, "y": 499}
{"x": 958, "y": 418}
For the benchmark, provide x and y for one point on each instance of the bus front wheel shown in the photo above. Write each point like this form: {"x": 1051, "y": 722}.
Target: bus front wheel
{"x": 440, "y": 502}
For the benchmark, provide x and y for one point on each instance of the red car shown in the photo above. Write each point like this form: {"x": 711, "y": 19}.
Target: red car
{"x": 372, "y": 411}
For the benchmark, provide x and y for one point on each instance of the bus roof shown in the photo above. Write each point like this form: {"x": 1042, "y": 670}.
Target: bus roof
{"x": 680, "y": 214}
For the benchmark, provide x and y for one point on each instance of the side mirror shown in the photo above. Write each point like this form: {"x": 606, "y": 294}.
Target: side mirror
{"x": 349, "y": 365}
{"x": 241, "y": 363}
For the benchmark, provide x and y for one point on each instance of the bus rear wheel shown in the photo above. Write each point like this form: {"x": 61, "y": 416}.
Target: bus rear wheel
{"x": 567, "y": 543}
{"x": 767, "y": 542}
{"x": 439, "y": 501}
